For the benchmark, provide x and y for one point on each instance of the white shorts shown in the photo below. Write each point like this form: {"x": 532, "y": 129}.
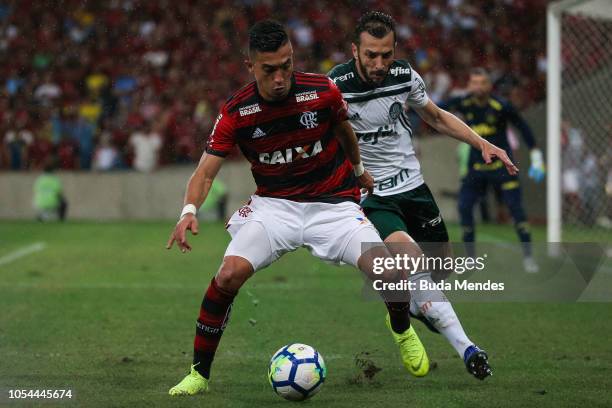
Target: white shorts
{"x": 266, "y": 228}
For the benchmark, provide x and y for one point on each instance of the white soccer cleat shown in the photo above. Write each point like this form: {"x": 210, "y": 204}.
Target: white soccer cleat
{"x": 530, "y": 265}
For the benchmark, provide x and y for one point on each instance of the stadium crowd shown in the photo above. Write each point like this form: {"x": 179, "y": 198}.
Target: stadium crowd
{"x": 119, "y": 84}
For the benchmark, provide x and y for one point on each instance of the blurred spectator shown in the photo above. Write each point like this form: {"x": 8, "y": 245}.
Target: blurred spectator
{"x": 17, "y": 140}
{"x": 4, "y": 160}
{"x": 96, "y": 81}
{"x": 40, "y": 152}
{"x": 572, "y": 151}
{"x": 91, "y": 110}
{"x": 146, "y": 145}
{"x": 14, "y": 83}
{"x": 82, "y": 132}
{"x": 175, "y": 63}
{"x": 438, "y": 81}
{"x": 583, "y": 180}
{"x": 606, "y": 164}
{"x": 590, "y": 188}
{"x": 67, "y": 153}
{"x": 106, "y": 157}
{"x": 47, "y": 92}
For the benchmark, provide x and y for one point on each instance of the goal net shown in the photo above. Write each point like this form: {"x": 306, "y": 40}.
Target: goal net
{"x": 579, "y": 142}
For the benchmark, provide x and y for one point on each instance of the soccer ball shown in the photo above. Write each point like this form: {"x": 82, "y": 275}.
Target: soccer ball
{"x": 297, "y": 372}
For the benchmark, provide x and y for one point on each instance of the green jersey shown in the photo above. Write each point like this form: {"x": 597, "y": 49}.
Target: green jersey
{"x": 47, "y": 192}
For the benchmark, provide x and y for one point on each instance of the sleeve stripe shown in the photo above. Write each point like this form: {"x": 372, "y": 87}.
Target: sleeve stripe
{"x": 218, "y": 153}
{"x": 370, "y": 96}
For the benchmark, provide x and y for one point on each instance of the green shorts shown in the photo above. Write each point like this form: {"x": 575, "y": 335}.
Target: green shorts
{"x": 414, "y": 212}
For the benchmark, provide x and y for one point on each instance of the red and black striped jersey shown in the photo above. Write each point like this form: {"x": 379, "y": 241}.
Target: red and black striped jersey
{"x": 290, "y": 144}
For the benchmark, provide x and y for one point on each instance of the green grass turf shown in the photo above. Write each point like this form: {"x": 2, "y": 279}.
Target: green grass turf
{"x": 105, "y": 311}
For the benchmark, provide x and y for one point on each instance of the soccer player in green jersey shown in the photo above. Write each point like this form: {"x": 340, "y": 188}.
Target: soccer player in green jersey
{"x": 379, "y": 89}
{"x": 48, "y": 196}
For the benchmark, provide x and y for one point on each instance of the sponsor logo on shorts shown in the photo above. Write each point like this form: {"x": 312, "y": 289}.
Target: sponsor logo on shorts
{"x": 245, "y": 211}
{"x": 362, "y": 220}
{"x": 434, "y": 222}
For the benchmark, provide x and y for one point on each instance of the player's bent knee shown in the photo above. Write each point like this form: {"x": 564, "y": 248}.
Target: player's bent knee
{"x": 399, "y": 242}
{"x": 363, "y": 247}
{"x": 233, "y": 273}
{"x": 374, "y": 265}
{"x": 368, "y": 261}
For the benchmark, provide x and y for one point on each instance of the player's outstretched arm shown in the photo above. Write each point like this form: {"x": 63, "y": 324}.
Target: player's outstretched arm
{"x": 345, "y": 134}
{"x": 447, "y": 123}
{"x": 197, "y": 189}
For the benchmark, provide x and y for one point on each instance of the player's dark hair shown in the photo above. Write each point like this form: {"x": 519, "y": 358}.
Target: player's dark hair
{"x": 267, "y": 36}
{"x": 479, "y": 71}
{"x": 376, "y": 24}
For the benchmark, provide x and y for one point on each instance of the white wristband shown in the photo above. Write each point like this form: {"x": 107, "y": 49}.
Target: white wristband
{"x": 358, "y": 169}
{"x": 188, "y": 209}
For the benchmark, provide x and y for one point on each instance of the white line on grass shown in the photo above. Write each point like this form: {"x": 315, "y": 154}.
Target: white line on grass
{"x": 21, "y": 252}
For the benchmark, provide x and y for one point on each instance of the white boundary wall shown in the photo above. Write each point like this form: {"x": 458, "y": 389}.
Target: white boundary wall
{"x": 122, "y": 194}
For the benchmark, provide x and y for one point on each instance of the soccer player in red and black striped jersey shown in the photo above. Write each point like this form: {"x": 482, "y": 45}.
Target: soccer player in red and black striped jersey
{"x": 288, "y": 134}
{"x": 304, "y": 155}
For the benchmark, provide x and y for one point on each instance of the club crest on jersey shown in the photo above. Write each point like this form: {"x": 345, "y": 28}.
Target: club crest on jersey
{"x": 395, "y": 110}
{"x": 306, "y": 96}
{"x": 249, "y": 110}
{"x": 290, "y": 155}
{"x": 309, "y": 120}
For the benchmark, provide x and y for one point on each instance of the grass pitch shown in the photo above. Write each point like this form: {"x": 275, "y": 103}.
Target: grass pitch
{"x": 104, "y": 310}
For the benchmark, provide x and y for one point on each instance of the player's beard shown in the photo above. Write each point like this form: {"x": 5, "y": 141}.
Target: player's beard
{"x": 368, "y": 78}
